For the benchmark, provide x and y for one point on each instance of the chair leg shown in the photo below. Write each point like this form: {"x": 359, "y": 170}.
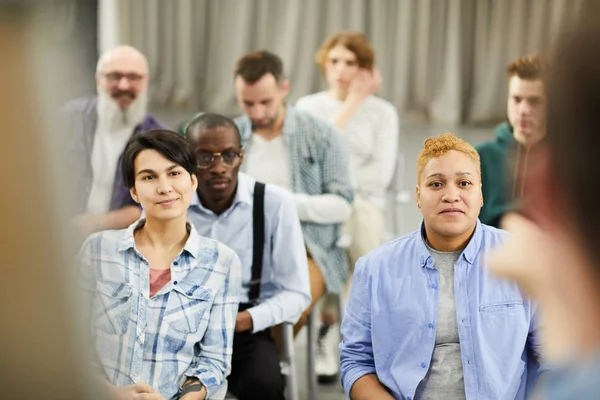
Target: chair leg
{"x": 288, "y": 358}
{"x": 312, "y": 354}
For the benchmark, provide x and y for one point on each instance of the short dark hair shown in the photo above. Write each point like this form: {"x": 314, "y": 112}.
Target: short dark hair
{"x": 169, "y": 144}
{"x": 210, "y": 121}
{"x": 257, "y": 64}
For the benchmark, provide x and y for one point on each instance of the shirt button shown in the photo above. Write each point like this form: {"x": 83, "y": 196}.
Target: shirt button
{"x": 175, "y": 263}
{"x": 434, "y": 286}
{"x": 174, "y": 282}
{"x": 423, "y": 365}
{"x": 430, "y": 325}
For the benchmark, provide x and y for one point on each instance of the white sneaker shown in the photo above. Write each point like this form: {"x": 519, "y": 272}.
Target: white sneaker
{"x": 327, "y": 363}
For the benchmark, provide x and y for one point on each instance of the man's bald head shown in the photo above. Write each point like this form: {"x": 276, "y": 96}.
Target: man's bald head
{"x": 123, "y": 54}
{"x": 122, "y": 73}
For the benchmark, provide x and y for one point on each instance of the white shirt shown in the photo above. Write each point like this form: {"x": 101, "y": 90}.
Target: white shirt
{"x": 372, "y": 138}
{"x": 268, "y": 161}
{"x": 108, "y": 146}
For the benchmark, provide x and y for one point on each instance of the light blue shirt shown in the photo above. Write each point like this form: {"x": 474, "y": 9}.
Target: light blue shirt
{"x": 285, "y": 286}
{"x": 576, "y": 380}
{"x": 389, "y": 326}
{"x": 184, "y": 330}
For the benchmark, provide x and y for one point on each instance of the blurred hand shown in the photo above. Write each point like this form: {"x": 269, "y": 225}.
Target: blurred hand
{"x": 536, "y": 259}
{"x": 130, "y": 392}
{"x": 365, "y": 83}
{"x": 86, "y": 224}
{"x": 527, "y": 257}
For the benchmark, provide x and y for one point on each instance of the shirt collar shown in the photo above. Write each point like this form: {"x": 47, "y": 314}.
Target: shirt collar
{"x": 469, "y": 253}
{"x": 192, "y": 244}
{"x": 243, "y": 193}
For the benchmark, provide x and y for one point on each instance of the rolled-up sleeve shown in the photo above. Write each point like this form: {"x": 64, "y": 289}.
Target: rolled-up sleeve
{"x": 213, "y": 362}
{"x": 356, "y": 348}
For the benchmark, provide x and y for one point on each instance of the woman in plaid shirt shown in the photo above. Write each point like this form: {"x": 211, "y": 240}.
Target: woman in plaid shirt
{"x": 163, "y": 300}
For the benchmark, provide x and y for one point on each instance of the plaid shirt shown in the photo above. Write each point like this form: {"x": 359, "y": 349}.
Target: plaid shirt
{"x": 184, "y": 330}
{"x": 319, "y": 164}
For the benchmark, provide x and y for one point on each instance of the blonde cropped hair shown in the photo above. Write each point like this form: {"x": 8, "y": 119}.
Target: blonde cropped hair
{"x": 442, "y": 144}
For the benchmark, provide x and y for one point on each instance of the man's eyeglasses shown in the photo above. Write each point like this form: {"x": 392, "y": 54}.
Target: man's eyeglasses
{"x": 115, "y": 77}
{"x": 207, "y": 159}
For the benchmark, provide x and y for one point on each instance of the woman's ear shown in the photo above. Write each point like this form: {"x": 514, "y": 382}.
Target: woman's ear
{"x": 417, "y": 196}
{"x": 134, "y": 195}
{"x": 194, "y": 182}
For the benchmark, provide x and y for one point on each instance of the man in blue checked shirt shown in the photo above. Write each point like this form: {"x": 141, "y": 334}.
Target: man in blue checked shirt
{"x": 162, "y": 299}
{"x": 425, "y": 319}
{"x": 260, "y": 223}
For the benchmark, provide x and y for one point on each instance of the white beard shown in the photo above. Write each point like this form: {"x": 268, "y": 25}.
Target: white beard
{"x": 111, "y": 115}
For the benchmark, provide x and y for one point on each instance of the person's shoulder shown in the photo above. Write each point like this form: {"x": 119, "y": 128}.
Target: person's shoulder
{"x": 311, "y": 124}
{"x": 311, "y": 100}
{"x": 223, "y": 254}
{"x": 105, "y": 241}
{"x": 380, "y": 104}
{"x": 390, "y": 254}
{"x": 275, "y": 196}
{"x": 493, "y": 235}
{"x": 240, "y": 119}
{"x": 489, "y": 149}
{"x": 80, "y": 105}
{"x": 152, "y": 122}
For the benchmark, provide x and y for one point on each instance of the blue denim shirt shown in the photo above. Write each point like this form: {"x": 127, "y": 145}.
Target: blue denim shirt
{"x": 184, "y": 330}
{"x": 389, "y": 326}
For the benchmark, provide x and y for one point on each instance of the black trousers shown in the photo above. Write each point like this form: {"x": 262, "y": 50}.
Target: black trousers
{"x": 255, "y": 372}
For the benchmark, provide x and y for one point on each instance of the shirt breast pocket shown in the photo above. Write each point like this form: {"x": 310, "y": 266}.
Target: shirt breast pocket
{"x": 502, "y": 307}
{"x": 187, "y": 307}
{"x": 112, "y": 308}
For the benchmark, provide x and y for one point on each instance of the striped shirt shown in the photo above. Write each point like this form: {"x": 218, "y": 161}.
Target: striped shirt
{"x": 185, "y": 330}
{"x": 319, "y": 165}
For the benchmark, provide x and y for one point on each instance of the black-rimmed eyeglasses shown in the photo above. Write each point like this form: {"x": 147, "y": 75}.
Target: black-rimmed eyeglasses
{"x": 207, "y": 159}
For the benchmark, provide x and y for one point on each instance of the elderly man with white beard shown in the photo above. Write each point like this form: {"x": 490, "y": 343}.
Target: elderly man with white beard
{"x": 99, "y": 128}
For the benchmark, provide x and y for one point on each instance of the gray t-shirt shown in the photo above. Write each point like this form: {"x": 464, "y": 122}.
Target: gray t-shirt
{"x": 444, "y": 380}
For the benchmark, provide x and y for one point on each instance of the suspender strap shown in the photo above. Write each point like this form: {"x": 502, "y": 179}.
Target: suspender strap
{"x": 258, "y": 240}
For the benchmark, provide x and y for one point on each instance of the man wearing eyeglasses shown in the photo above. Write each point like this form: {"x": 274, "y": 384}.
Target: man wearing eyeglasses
{"x": 98, "y": 129}
{"x": 260, "y": 223}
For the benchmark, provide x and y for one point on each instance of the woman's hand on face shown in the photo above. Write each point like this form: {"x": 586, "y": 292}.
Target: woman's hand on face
{"x": 365, "y": 83}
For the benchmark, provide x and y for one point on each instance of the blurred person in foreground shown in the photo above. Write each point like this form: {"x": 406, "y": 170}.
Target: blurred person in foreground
{"x": 162, "y": 299}
{"x": 369, "y": 126}
{"x": 554, "y": 250}
{"x": 425, "y": 318}
{"x": 505, "y": 160}
{"x": 98, "y": 129}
